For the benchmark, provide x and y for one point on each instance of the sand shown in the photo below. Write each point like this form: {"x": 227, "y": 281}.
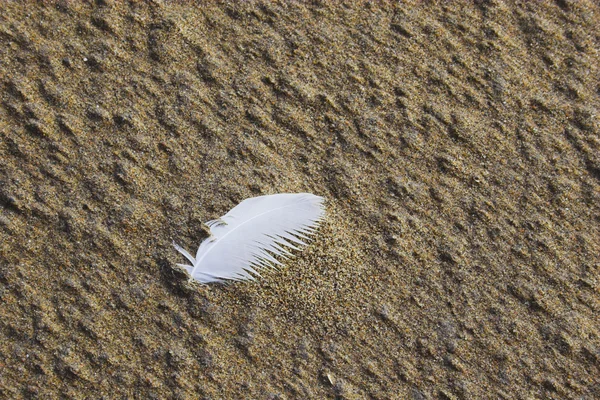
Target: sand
{"x": 457, "y": 146}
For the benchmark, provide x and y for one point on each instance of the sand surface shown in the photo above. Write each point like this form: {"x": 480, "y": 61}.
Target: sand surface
{"x": 457, "y": 146}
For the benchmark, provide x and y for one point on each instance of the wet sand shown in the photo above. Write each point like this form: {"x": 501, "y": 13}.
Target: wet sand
{"x": 457, "y": 146}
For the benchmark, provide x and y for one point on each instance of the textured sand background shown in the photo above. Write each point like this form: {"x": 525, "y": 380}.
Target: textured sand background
{"x": 457, "y": 145}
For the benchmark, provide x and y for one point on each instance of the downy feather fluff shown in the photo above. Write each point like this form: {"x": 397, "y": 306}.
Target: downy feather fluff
{"x": 252, "y": 234}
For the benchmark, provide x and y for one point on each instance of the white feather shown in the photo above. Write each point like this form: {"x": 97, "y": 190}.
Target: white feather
{"x": 252, "y": 234}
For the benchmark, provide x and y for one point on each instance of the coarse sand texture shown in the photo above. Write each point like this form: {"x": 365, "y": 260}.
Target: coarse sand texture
{"x": 457, "y": 145}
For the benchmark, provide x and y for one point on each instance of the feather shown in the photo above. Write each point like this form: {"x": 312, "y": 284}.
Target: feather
{"x": 254, "y": 235}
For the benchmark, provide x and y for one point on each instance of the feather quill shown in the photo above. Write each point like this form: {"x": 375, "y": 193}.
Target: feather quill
{"x": 255, "y": 235}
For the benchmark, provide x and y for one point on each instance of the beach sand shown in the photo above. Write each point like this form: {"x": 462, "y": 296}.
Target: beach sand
{"x": 457, "y": 146}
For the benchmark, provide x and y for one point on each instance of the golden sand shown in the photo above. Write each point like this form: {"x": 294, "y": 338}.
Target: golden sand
{"x": 457, "y": 145}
